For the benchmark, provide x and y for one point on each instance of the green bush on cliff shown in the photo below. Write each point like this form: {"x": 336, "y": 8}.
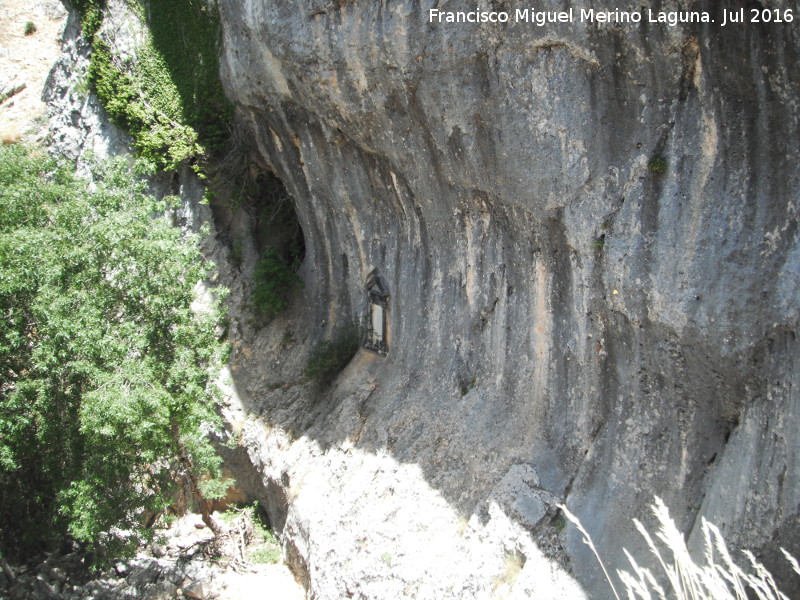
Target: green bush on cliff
{"x": 274, "y": 282}
{"x": 105, "y": 392}
{"x": 170, "y": 99}
{"x": 657, "y": 165}
{"x": 329, "y": 357}
{"x": 157, "y": 137}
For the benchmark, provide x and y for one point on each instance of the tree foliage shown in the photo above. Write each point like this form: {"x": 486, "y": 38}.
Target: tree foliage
{"x": 105, "y": 395}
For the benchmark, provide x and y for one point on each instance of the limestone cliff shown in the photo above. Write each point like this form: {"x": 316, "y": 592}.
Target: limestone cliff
{"x": 589, "y": 237}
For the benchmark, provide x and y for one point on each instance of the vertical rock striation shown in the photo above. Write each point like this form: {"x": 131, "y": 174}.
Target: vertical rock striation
{"x": 566, "y": 321}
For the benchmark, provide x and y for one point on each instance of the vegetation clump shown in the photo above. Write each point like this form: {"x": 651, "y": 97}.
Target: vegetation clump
{"x": 329, "y": 357}
{"x": 267, "y": 548}
{"x": 274, "y": 282}
{"x": 254, "y": 541}
{"x": 170, "y": 100}
{"x": 30, "y": 28}
{"x": 466, "y": 384}
{"x": 105, "y": 368}
{"x": 657, "y": 165}
{"x": 600, "y": 242}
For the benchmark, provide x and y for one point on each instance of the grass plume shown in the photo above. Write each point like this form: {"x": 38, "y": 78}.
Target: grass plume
{"x": 718, "y": 577}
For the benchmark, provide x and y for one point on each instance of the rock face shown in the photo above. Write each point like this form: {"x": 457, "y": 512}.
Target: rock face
{"x": 25, "y": 59}
{"x": 588, "y": 233}
{"x": 565, "y": 321}
{"x": 78, "y": 126}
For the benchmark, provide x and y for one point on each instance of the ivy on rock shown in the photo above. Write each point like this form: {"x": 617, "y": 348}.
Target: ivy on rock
{"x": 170, "y": 99}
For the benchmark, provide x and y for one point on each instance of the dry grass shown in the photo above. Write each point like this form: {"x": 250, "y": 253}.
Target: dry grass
{"x": 513, "y": 562}
{"x": 9, "y": 138}
{"x": 463, "y": 524}
{"x": 717, "y": 577}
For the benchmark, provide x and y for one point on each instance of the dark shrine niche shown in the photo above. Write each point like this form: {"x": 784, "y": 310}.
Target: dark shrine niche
{"x": 377, "y": 337}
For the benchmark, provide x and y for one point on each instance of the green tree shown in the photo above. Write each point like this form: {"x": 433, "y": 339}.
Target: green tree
{"x": 106, "y": 401}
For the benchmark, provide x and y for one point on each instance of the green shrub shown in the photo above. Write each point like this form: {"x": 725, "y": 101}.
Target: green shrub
{"x": 158, "y": 136}
{"x": 329, "y": 357}
{"x": 91, "y": 12}
{"x": 268, "y": 551}
{"x": 186, "y": 41}
{"x": 465, "y": 384}
{"x": 30, "y": 28}
{"x": 274, "y": 282}
{"x": 657, "y": 165}
{"x": 600, "y": 242}
{"x": 265, "y": 547}
{"x": 237, "y": 253}
{"x": 558, "y": 523}
{"x": 170, "y": 100}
